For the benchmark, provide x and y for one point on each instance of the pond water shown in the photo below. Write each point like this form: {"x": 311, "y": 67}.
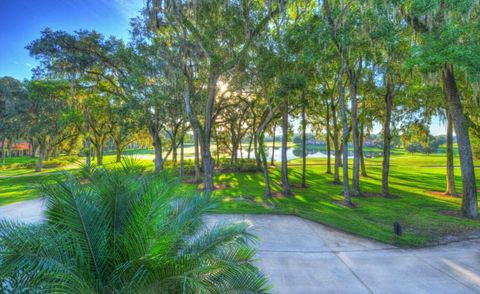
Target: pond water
{"x": 293, "y": 153}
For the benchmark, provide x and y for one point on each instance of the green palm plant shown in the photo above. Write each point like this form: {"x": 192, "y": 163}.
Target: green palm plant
{"x": 120, "y": 231}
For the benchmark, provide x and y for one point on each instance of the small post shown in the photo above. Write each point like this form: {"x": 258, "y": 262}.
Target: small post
{"x": 397, "y": 231}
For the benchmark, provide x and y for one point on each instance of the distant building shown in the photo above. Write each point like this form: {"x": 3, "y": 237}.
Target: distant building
{"x": 15, "y": 149}
{"x": 18, "y": 146}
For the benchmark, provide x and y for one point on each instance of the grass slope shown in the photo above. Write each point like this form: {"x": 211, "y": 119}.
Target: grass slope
{"x": 411, "y": 179}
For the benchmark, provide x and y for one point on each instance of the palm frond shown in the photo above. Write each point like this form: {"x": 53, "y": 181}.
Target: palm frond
{"x": 126, "y": 231}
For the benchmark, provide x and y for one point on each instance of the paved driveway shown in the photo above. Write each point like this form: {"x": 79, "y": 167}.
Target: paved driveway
{"x": 300, "y": 256}
{"x": 30, "y": 211}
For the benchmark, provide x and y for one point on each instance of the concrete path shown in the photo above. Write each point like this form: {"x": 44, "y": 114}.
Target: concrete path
{"x": 30, "y": 211}
{"x": 300, "y": 256}
{"x": 303, "y": 257}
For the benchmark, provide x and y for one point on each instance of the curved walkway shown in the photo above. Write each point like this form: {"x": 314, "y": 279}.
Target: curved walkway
{"x": 300, "y": 256}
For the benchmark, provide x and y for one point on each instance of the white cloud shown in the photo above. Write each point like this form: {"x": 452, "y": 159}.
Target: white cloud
{"x": 28, "y": 64}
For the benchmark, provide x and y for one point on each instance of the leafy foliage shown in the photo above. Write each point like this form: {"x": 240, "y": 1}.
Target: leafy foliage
{"x": 120, "y": 231}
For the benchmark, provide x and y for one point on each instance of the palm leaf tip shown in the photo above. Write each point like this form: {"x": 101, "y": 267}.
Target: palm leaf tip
{"x": 125, "y": 230}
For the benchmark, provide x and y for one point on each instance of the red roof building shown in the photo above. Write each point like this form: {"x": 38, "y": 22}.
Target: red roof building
{"x": 18, "y": 145}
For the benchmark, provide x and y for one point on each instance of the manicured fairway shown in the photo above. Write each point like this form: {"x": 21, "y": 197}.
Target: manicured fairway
{"x": 426, "y": 218}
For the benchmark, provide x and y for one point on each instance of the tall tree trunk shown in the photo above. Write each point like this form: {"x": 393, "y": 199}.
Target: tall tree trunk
{"x": 249, "y": 147}
{"x": 240, "y": 149}
{"x": 157, "y": 145}
{"x": 461, "y": 124}
{"x": 204, "y": 133}
{"x": 88, "y": 160}
{"x": 387, "y": 139}
{"x": 340, "y": 158}
{"x": 174, "y": 149}
{"x": 343, "y": 112}
{"x": 34, "y": 149}
{"x": 273, "y": 144}
{"x": 355, "y": 139}
{"x": 329, "y": 159}
{"x": 205, "y": 136}
{"x": 118, "y": 150}
{"x": 260, "y": 134}
{"x": 304, "y": 145}
{"x": 4, "y": 154}
{"x": 233, "y": 155}
{"x": 451, "y": 190}
{"x": 197, "y": 157}
{"x": 43, "y": 150}
{"x": 255, "y": 151}
{"x": 182, "y": 156}
{"x": 217, "y": 145}
{"x": 99, "y": 151}
{"x": 266, "y": 176}
{"x": 208, "y": 166}
{"x": 362, "y": 155}
{"x": 157, "y": 142}
{"x": 10, "y": 144}
{"x": 285, "y": 183}
{"x": 336, "y": 144}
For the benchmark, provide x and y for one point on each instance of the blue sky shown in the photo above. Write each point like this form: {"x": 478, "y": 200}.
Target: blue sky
{"x": 22, "y": 20}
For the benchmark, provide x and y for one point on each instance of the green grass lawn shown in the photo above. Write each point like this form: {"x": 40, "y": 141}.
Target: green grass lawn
{"x": 412, "y": 178}
{"x": 423, "y": 216}
{"x": 20, "y": 183}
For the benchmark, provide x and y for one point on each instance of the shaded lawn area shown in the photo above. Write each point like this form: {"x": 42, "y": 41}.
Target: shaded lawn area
{"x": 23, "y": 188}
{"x": 412, "y": 177}
{"x": 20, "y": 184}
{"x": 411, "y": 180}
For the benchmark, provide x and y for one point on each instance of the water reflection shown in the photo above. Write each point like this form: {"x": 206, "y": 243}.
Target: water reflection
{"x": 293, "y": 153}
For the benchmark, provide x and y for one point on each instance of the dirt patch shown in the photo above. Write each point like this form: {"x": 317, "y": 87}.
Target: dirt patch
{"x": 463, "y": 236}
{"x": 341, "y": 203}
{"x": 278, "y": 194}
{"x": 455, "y": 213}
{"x": 377, "y": 195}
{"x": 442, "y": 194}
{"x": 298, "y": 186}
{"x": 443, "y": 166}
{"x": 219, "y": 186}
{"x": 371, "y": 195}
{"x": 222, "y": 186}
{"x": 240, "y": 198}
{"x": 250, "y": 200}
{"x": 190, "y": 181}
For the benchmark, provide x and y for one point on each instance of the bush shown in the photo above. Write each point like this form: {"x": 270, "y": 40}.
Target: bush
{"x": 30, "y": 164}
{"x": 224, "y": 166}
{"x": 118, "y": 231}
{"x": 432, "y": 146}
{"x": 243, "y": 165}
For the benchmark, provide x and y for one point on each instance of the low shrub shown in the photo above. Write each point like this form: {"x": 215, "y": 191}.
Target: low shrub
{"x": 30, "y": 164}
{"x": 124, "y": 231}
